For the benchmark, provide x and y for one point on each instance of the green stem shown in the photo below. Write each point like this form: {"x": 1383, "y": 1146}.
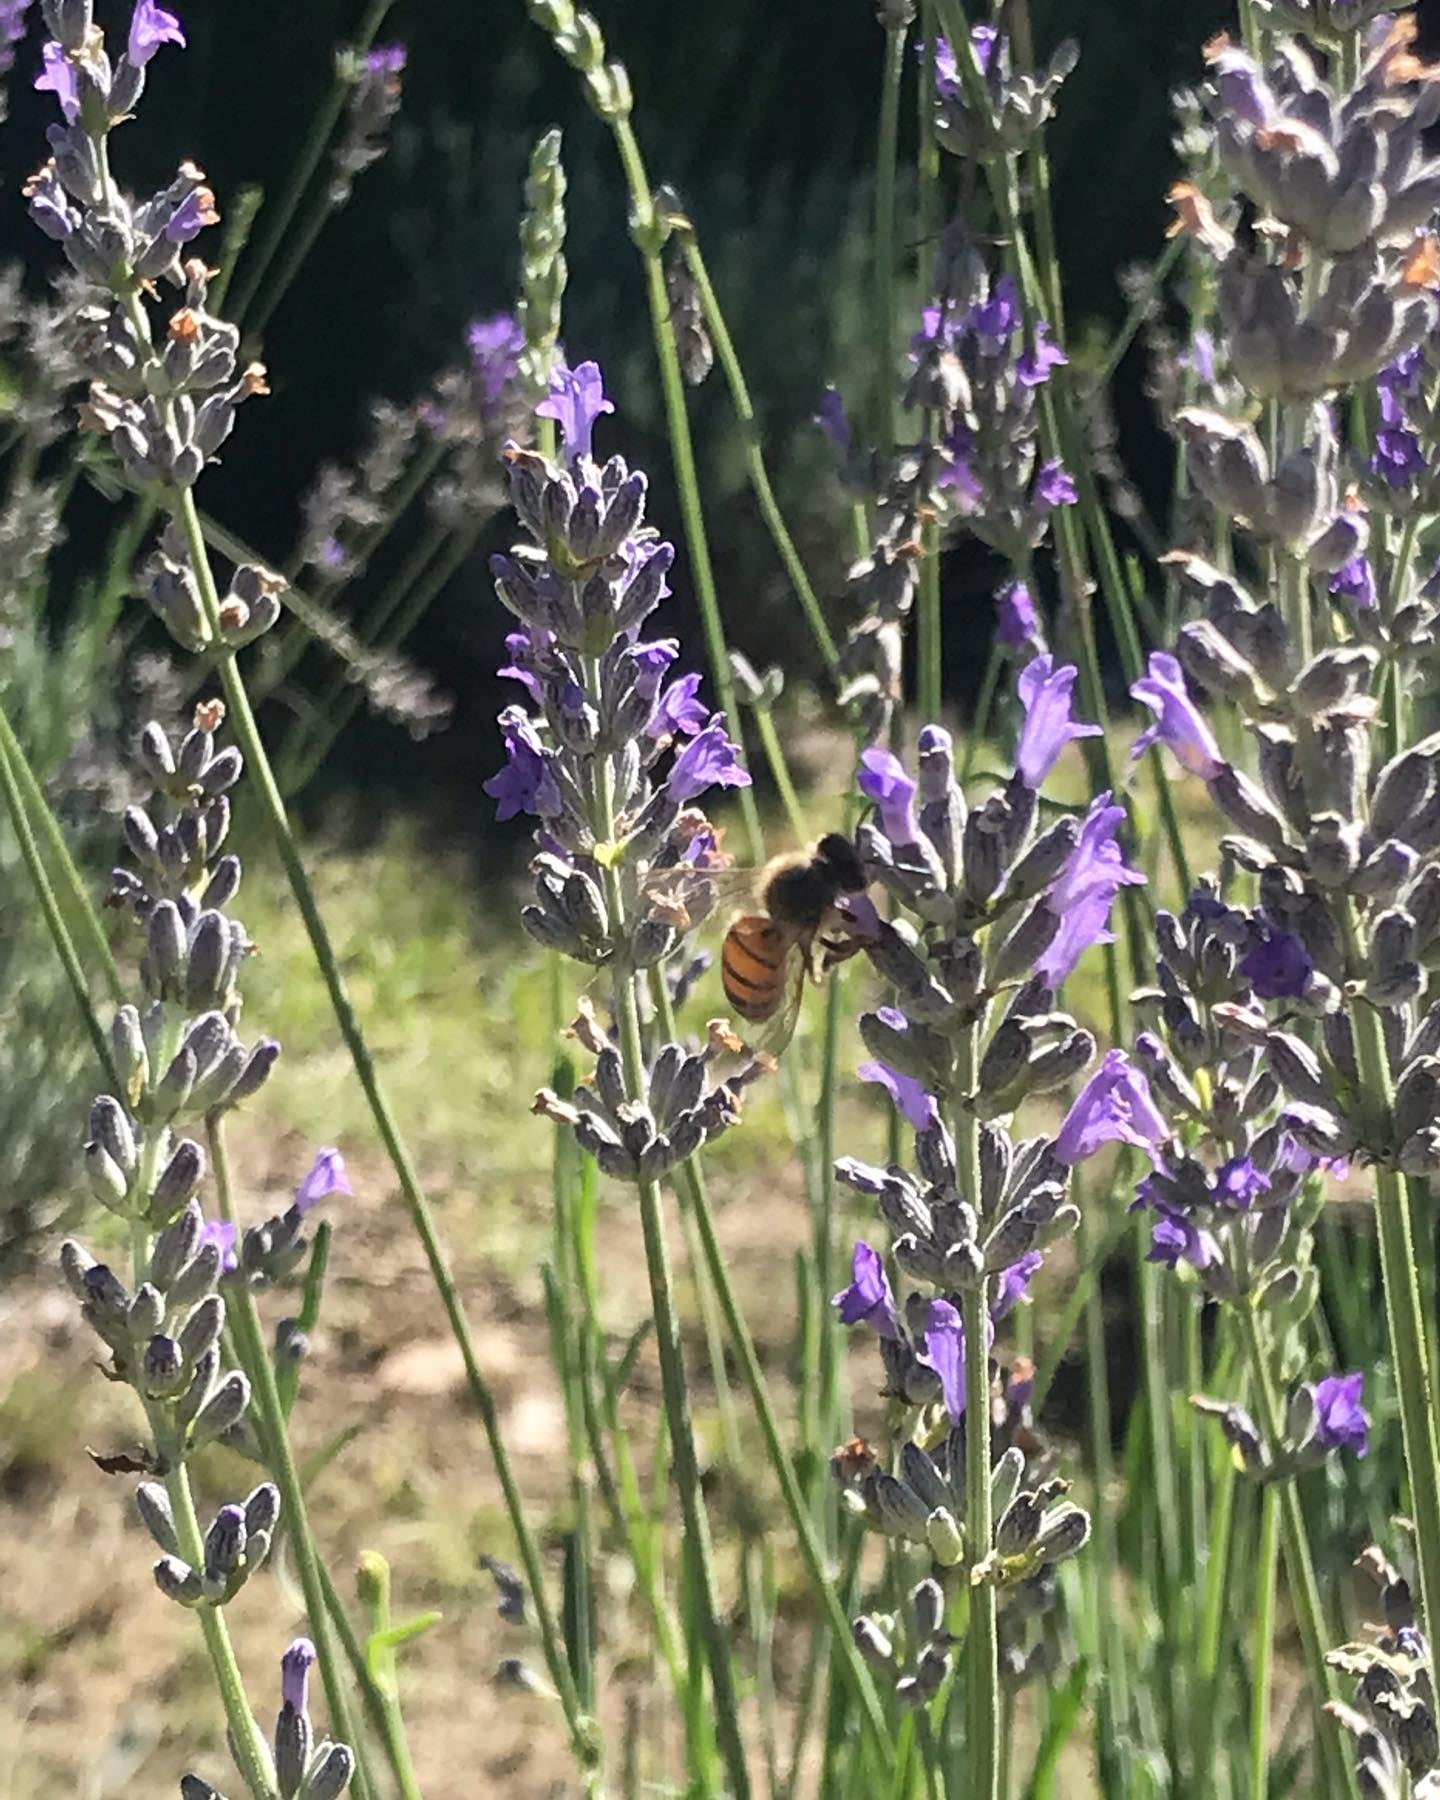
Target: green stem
{"x": 647, "y": 231}
{"x": 886, "y": 158}
{"x": 1316, "y": 1635}
{"x": 754, "y": 455}
{"x": 45, "y": 894}
{"x": 676, "y": 1395}
{"x": 1404, "y": 1315}
{"x": 1113, "y": 1701}
{"x": 277, "y": 219}
{"x": 780, "y": 771}
{"x": 930, "y": 648}
{"x": 244, "y": 1320}
{"x": 982, "y": 1650}
{"x": 1263, "y": 1660}
{"x": 581, "y": 1729}
{"x": 80, "y": 905}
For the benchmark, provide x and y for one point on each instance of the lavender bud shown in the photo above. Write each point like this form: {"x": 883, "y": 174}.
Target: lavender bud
{"x": 106, "y": 1178}
{"x": 165, "y": 948}
{"x": 1394, "y": 975}
{"x": 198, "y": 1276}
{"x": 1417, "y": 1097}
{"x": 256, "y": 1073}
{"x": 224, "y": 1547}
{"x": 945, "y": 1538}
{"x": 1332, "y": 679}
{"x": 153, "y": 1505}
{"x": 1043, "y": 861}
{"x": 1019, "y": 1524}
{"x": 162, "y": 1369}
{"x": 193, "y": 1788}
{"x": 146, "y": 1312}
{"x": 173, "y": 1089}
{"x": 225, "y": 1408}
{"x": 202, "y": 1384}
{"x": 928, "y": 1603}
{"x": 293, "y": 1738}
{"x": 178, "y": 1181}
{"x": 202, "y": 1327}
{"x": 223, "y": 885}
{"x": 175, "y": 1245}
{"x": 982, "y": 856}
{"x": 1385, "y": 873}
{"x": 1403, "y": 787}
{"x": 1243, "y": 803}
{"x": 995, "y": 1151}
{"x": 1022, "y": 949}
{"x": 177, "y": 1581}
{"x": 1066, "y": 1531}
{"x": 330, "y": 1772}
{"x": 874, "y": 1645}
{"x": 1061, "y": 1062}
{"x": 207, "y": 962}
{"x": 1299, "y": 1071}
{"x": 76, "y": 1261}
{"x": 127, "y": 1046}
{"x": 262, "y": 1508}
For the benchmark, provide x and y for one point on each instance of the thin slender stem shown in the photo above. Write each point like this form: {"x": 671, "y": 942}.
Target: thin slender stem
{"x": 244, "y": 1319}
{"x": 276, "y": 219}
{"x": 672, "y": 1376}
{"x": 647, "y": 232}
{"x": 1316, "y": 1634}
{"x": 1263, "y": 1659}
{"x": 45, "y": 894}
{"x": 581, "y": 1729}
{"x": 931, "y": 646}
{"x": 81, "y": 907}
{"x": 981, "y": 1639}
{"x": 754, "y": 455}
{"x": 886, "y": 159}
{"x": 780, "y": 772}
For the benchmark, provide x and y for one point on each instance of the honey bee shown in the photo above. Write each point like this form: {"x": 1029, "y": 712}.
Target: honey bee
{"x": 793, "y": 927}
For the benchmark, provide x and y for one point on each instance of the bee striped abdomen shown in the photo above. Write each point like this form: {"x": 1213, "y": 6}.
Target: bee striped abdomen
{"x": 752, "y": 966}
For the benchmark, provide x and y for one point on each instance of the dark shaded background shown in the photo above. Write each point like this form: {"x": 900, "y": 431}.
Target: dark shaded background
{"x": 762, "y": 115}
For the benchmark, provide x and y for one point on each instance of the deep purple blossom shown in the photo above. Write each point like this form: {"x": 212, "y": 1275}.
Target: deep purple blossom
{"x": 1016, "y": 619}
{"x": 868, "y": 1300}
{"x": 526, "y": 783}
{"x": 945, "y": 1352}
{"x": 834, "y": 421}
{"x": 521, "y": 650}
{"x": 1399, "y": 456}
{"x": 150, "y": 27}
{"x": 883, "y": 782}
{"x": 995, "y": 320}
{"x": 1175, "y": 1239}
{"x": 191, "y": 216}
{"x": 1355, "y": 582}
{"x": 1179, "y": 724}
{"x": 1054, "y": 486}
{"x": 1114, "y": 1106}
{"x": 386, "y": 59}
{"x": 1045, "y": 693}
{"x": 679, "y": 712}
{"x": 1083, "y": 893}
{"x": 708, "y": 760}
{"x": 1238, "y": 1183}
{"x": 948, "y": 83}
{"x": 1279, "y": 968}
{"x": 295, "y": 1667}
{"x": 576, "y": 400}
{"x": 327, "y": 1175}
{"x": 1243, "y": 89}
{"x": 1341, "y": 1421}
{"x": 495, "y": 344}
{"x": 1034, "y": 366}
{"x": 224, "y": 1235}
{"x": 914, "y": 1103}
{"x": 58, "y": 77}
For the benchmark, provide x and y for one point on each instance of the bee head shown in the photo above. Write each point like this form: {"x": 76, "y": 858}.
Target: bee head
{"x": 844, "y": 861}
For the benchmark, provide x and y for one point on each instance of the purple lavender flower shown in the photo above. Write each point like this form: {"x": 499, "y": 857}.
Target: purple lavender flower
{"x": 1114, "y": 1106}
{"x": 223, "y": 1233}
{"x": 1033, "y": 368}
{"x": 679, "y": 712}
{"x": 1243, "y": 89}
{"x": 1045, "y": 694}
{"x": 1355, "y": 582}
{"x": 996, "y": 319}
{"x": 1279, "y": 968}
{"x": 150, "y": 27}
{"x": 1239, "y": 1184}
{"x": 883, "y": 781}
{"x": 295, "y": 1667}
{"x": 576, "y": 401}
{"x": 327, "y": 1176}
{"x": 948, "y": 84}
{"x": 1178, "y": 721}
{"x": 708, "y": 760}
{"x": 58, "y": 77}
{"x": 495, "y": 344}
{"x": 1399, "y": 456}
{"x": 1200, "y": 357}
{"x": 1054, "y": 485}
{"x": 1083, "y": 893}
{"x": 191, "y": 216}
{"x": 525, "y": 784}
{"x": 1013, "y": 1284}
{"x": 1341, "y": 1421}
{"x": 945, "y": 1352}
{"x": 915, "y": 1104}
{"x": 1176, "y": 1239}
{"x": 1017, "y": 621}
{"x": 386, "y": 59}
{"x": 834, "y": 421}
{"x": 868, "y": 1300}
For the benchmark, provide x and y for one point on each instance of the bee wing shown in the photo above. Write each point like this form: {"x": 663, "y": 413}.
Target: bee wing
{"x": 684, "y": 895}
{"x": 775, "y": 1034}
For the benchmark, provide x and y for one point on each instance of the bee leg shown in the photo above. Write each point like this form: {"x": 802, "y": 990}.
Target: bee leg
{"x": 836, "y": 950}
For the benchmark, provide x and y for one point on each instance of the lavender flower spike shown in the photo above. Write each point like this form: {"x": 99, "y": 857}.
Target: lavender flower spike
{"x": 868, "y": 1300}
{"x": 1114, "y": 1106}
{"x": 1045, "y": 693}
{"x": 1178, "y": 721}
